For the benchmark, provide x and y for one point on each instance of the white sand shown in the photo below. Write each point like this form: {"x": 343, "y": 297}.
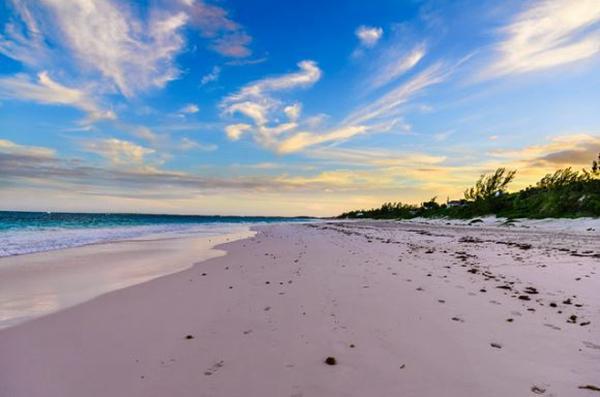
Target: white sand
{"x": 264, "y": 318}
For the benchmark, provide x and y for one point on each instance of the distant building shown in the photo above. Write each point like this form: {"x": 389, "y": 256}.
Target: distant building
{"x": 456, "y": 203}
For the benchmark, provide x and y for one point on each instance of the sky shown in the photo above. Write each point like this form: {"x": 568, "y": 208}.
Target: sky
{"x": 268, "y": 107}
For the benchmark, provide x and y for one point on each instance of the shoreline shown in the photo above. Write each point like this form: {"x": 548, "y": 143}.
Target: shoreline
{"x": 398, "y": 306}
{"x": 41, "y": 283}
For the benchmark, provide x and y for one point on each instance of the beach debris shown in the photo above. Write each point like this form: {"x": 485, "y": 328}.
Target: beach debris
{"x": 496, "y": 345}
{"x": 330, "y": 361}
{"x": 538, "y": 390}
{"x": 524, "y": 297}
{"x": 572, "y": 319}
{"x": 189, "y": 337}
{"x": 590, "y": 387}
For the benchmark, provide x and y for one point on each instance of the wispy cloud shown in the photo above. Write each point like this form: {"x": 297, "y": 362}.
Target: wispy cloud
{"x": 368, "y": 35}
{"x": 388, "y": 105}
{"x": 562, "y": 150}
{"x": 227, "y": 36}
{"x": 11, "y": 147}
{"x": 132, "y": 53}
{"x": 190, "y": 108}
{"x": 45, "y": 90}
{"x": 235, "y": 131}
{"x": 303, "y": 139}
{"x": 545, "y": 34}
{"x": 369, "y": 157}
{"x": 256, "y": 101}
{"x": 308, "y": 74}
{"x": 190, "y": 144}
{"x": 23, "y": 39}
{"x": 212, "y": 76}
{"x": 394, "y": 63}
{"x": 118, "y": 152}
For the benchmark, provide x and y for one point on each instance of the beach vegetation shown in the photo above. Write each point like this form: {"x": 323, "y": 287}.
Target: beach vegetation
{"x": 563, "y": 193}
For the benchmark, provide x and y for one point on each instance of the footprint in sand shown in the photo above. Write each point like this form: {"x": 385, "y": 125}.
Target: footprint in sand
{"x": 591, "y": 345}
{"x": 214, "y": 368}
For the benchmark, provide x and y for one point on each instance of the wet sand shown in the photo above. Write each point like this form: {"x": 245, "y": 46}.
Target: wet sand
{"x": 399, "y": 309}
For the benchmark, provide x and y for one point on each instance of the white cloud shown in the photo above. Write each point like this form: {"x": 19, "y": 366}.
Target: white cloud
{"x": 255, "y": 101}
{"x": 546, "y": 34}
{"x": 145, "y": 133}
{"x": 302, "y": 140}
{"x": 227, "y": 37}
{"x": 395, "y": 63}
{"x": 22, "y": 39}
{"x": 102, "y": 37}
{"x": 369, "y": 35}
{"x": 118, "y": 152}
{"x": 376, "y": 157}
{"x": 190, "y": 144}
{"x": 293, "y": 111}
{"x": 10, "y": 147}
{"x": 190, "y": 108}
{"x": 254, "y": 110}
{"x": 214, "y": 75}
{"x": 388, "y": 105}
{"x": 44, "y": 90}
{"x": 235, "y": 131}
{"x": 308, "y": 74}
{"x": 108, "y": 37}
{"x": 233, "y": 45}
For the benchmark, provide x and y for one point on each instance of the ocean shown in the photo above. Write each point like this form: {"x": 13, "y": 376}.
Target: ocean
{"x": 29, "y": 232}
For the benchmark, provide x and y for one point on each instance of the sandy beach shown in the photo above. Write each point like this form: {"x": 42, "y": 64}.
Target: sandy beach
{"x": 405, "y": 308}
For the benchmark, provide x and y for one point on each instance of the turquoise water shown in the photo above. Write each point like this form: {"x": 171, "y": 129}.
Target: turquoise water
{"x": 28, "y": 232}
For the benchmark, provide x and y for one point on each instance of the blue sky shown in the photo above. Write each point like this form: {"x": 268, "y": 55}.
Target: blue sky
{"x": 274, "y": 107}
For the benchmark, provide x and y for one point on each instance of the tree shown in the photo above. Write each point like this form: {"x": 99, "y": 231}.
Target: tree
{"x": 490, "y": 185}
{"x": 561, "y": 178}
{"x": 596, "y": 166}
{"x": 431, "y": 204}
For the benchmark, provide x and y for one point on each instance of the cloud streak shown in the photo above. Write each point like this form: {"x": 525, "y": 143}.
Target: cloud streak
{"x": 387, "y": 106}
{"x": 45, "y": 90}
{"x": 548, "y": 33}
{"x": 395, "y": 63}
{"x": 228, "y": 38}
